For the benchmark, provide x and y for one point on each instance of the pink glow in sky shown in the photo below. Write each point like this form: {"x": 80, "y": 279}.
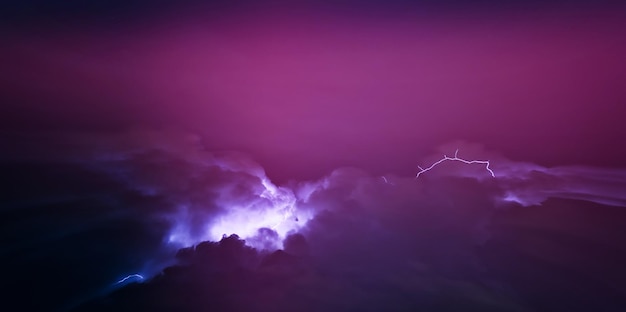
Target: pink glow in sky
{"x": 307, "y": 93}
{"x": 122, "y": 140}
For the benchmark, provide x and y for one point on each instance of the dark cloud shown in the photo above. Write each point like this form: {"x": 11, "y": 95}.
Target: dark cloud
{"x": 536, "y": 267}
{"x": 332, "y": 104}
{"x": 82, "y": 218}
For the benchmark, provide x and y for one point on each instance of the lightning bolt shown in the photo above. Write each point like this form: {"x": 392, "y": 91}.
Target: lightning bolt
{"x": 456, "y": 158}
{"x": 386, "y": 180}
{"x": 137, "y": 276}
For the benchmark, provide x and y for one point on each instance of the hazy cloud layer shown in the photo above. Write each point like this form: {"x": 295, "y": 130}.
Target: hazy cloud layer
{"x": 126, "y": 203}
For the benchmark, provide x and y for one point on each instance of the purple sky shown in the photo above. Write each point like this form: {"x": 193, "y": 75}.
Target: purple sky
{"x": 130, "y": 129}
{"x": 307, "y": 91}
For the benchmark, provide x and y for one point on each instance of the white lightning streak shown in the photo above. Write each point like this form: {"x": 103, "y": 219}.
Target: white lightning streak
{"x": 386, "y": 180}
{"x": 456, "y": 158}
{"x": 137, "y": 276}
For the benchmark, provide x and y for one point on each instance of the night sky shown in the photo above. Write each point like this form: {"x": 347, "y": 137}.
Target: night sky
{"x": 313, "y": 155}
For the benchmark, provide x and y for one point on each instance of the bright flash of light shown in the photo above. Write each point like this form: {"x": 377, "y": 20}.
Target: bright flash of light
{"x": 275, "y": 209}
{"x": 455, "y": 158}
{"x": 270, "y": 207}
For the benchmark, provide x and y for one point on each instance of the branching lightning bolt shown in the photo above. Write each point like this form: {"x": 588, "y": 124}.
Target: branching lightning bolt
{"x": 137, "y": 276}
{"x": 456, "y": 158}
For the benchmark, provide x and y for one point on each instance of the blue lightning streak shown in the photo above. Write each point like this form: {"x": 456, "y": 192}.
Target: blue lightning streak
{"x": 456, "y": 158}
{"x": 137, "y": 276}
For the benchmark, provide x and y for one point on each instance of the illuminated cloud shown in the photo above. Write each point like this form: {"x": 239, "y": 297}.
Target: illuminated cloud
{"x": 309, "y": 94}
